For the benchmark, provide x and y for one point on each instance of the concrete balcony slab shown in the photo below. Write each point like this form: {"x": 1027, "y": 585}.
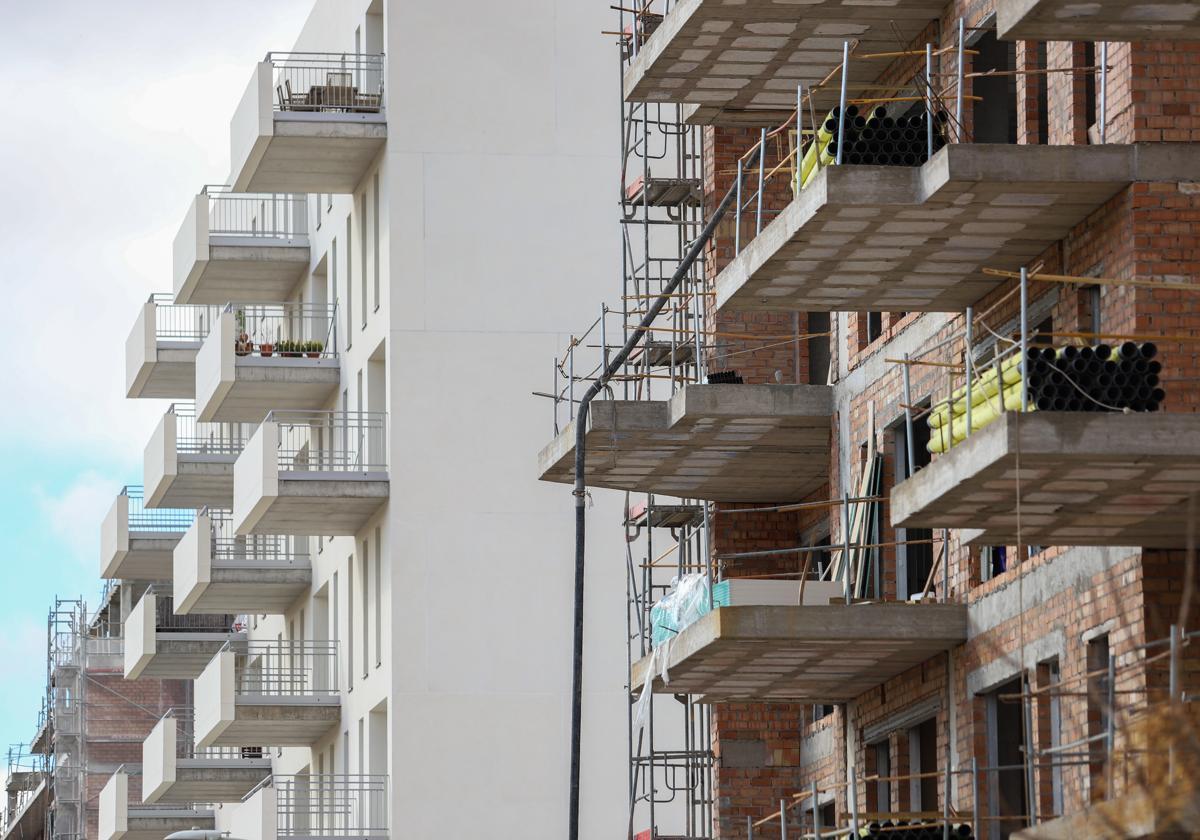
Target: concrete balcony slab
{"x": 235, "y": 246}
{"x": 1084, "y": 479}
{"x": 746, "y": 443}
{"x": 882, "y": 238}
{"x": 271, "y": 695}
{"x": 320, "y": 494}
{"x": 216, "y": 571}
{"x": 741, "y": 63}
{"x": 173, "y": 771}
{"x": 161, "y": 645}
{"x": 818, "y": 654}
{"x": 189, "y": 464}
{"x": 244, "y": 388}
{"x": 137, "y": 544}
{"x": 1097, "y": 20}
{"x": 299, "y": 150}
{"x": 160, "y": 353}
{"x": 119, "y": 820}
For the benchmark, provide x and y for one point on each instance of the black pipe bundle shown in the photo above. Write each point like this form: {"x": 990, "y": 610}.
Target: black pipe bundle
{"x": 914, "y": 830}
{"x": 875, "y": 139}
{"x": 1098, "y": 378}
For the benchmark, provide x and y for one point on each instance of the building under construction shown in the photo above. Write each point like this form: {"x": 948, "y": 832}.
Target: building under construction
{"x": 899, "y": 391}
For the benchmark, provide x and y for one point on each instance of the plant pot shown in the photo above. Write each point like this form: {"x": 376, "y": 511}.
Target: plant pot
{"x": 313, "y": 354}
{"x": 290, "y": 354}
{"x": 266, "y": 349}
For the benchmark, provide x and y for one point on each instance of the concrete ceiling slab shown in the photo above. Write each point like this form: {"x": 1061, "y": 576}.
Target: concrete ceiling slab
{"x": 741, "y": 62}
{"x": 249, "y": 268}
{"x": 905, "y": 239}
{"x": 750, "y": 443}
{"x": 1097, "y": 20}
{"x": 316, "y": 156}
{"x": 819, "y": 654}
{"x": 1084, "y": 479}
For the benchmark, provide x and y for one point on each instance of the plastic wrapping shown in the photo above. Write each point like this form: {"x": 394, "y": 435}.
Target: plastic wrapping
{"x": 687, "y": 601}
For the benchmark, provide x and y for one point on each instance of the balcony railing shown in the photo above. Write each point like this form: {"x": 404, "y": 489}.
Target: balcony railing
{"x": 341, "y": 805}
{"x": 185, "y": 740}
{"x": 231, "y": 551}
{"x": 327, "y": 82}
{"x": 331, "y": 441}
{"x": 256, "y": 215}
{"x": 285, "y": 668}
{"x": 288, "y": 330}
{"x": 142, "y": 518}
{"x": 195, "y": 437}
{"x": 182, "y": 322}
{"x": 166, "y": 621}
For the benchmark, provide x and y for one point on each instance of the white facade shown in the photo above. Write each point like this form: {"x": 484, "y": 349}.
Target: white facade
{"x": 465, "y": 249}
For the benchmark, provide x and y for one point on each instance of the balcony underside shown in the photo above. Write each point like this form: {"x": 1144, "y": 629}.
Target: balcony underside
{"x": 172, "y": 374}
{"x": 1097, "y": 20}
{"x": 320, "y": 504}
{"x": 246, "y": 268}
{"x": 741, "y": 63}
{"x": 883, "y": 238}
{"x": 273, "y": 724}
{"x": 30, "y": 821}
{"x": 181, "y": 656}
{"x": 313, "y": 153}
{"x": 214, "y": 780}
{"x": 1085, "y": 479}
{"x": 262, "y": 591}
{"x": 819, "y": 654}
{"x": 199, "y": 481}
{"x": 150, "y": 557}
{"x": 749, "y": 443}
{"x": 272, "y": 384}
{"x": 150, "y": 823}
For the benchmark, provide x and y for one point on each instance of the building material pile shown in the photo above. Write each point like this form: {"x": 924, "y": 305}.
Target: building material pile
{"x": 873, "y": 139}
{"x": 1102, "y": 377}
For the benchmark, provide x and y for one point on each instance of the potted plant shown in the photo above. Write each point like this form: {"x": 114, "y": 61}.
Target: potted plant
{"x": 266, "y": 348}
{"x": 289, "y": 348}
{"x": 313, "y": 349}
{"x": 242, "y": 345}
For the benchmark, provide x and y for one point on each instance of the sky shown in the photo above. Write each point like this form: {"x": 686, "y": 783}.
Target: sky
{"x": 115, "y": 115}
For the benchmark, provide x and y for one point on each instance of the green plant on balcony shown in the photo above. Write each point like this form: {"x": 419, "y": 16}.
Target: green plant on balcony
{"x": 313, "y": 349}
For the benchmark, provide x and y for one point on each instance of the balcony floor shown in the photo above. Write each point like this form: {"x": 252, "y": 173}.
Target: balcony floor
{"x": 214, "y": 779}
{"x": 241, "y": 268}
{"x": 320, "y": 504}
{"x": 748, "y": 443}
{"x": 818, "y": 654}
{"x": 272, "y": 384}
{"x": 1086, "y": 479}
{"x": 181, "y": 656}
{"x": 1097, "y": 20}
{"x": 171, "y": 376}
{"x": 269, "y": 723}
{"x": 886, "y": 238}
{"x": 742, "y": 62}
{"x": 152, "y": 823}
{"x": 314, "y": 153}
{"x": 269, "y": 590}
{"x": 199, "y": 481}
{"x": 150, "y": 557}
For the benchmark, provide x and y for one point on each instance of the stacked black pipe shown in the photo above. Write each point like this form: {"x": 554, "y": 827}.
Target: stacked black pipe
{"x": 1102, "y": 377}
{"x": 876, "y": 139}
{"x": 914, "y": 830}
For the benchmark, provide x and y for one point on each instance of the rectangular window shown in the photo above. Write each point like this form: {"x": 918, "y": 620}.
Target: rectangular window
{"x": 1098, "y": 712}
{"x": 914, "y": 554}
{"x": 879, "y": 794}
{"x": 922, "y": 745}
{"x": 874, "y": 326}
{"x": 350, "y": 622}
{"x": 1006, "y": 749}
{"x": 333, "y": 285}
{"x": 362, "y": 254}
{"x": 818, "y": 348}
{"x": 997, "y": 122}
{"x": 349, "y": 284}
{"x": 375, "y": 234}
{"x": 366, "y": 606}
{"x": 378, "y": 597}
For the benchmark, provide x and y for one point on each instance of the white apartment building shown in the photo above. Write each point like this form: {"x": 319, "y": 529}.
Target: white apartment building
{"x": 419, "y": 196}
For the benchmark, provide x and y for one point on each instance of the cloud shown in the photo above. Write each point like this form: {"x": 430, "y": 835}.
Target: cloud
{"x": 74, "y": 515}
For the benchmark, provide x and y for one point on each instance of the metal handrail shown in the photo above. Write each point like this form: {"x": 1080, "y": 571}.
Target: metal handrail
{"x": 331, "y": 441}
{"x": 233, "y": 551}
{"x": 195, "y": 437}
{"x": 185, "y": 740}
{"x": 142, "y": 518}
{"x": 285, "y": 329}
{"x": 255, "y": 215}
{"x": 325, "y": 82}
{"x": 285, "y": 668}
{"x": 329, "y": 805}
{"x": 166, "y": 620}
{"x": 182, "y": 322}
